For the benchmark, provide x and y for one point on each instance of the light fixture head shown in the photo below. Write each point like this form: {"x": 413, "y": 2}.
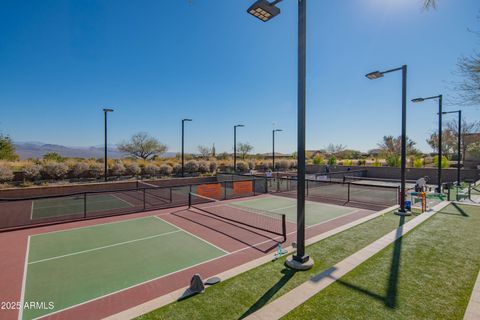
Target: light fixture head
{"x": 374, "y": 75}
{"x": 239, "y": 125}
{"x": 263, "y": 10}
{"x": 417, "y": 100}
{"x": 107, "y": 110}
{"x": 187, "y": 120}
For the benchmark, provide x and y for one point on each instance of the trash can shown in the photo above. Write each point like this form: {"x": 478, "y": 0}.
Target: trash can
{"x": 408, "y": 205}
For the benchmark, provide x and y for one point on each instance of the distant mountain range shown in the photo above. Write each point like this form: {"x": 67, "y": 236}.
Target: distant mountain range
{"x": 33, "y": 149}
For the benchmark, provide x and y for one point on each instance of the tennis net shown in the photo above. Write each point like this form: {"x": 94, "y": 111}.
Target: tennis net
{"x": 268, "y": 221}
{"x": 158, "y": 192}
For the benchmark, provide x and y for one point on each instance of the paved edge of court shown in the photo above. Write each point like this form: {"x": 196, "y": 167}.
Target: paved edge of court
{"x": 294, "y": 298}
{"x": 173, "y": 296}
{"x": 473, "y": 308}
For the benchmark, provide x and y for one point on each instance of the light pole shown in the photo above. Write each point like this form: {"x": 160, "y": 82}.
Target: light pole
{"x": 183, "y": 144}
{"x": 264, "y": 10}
{"x": 439, "y": 170}
{"x": 105, "y": 111}
{"x": 403, "y": 172}
{"x": 235, "y": 145}
{"x": 273, "y": 147}
{"x": 459, "y": 145}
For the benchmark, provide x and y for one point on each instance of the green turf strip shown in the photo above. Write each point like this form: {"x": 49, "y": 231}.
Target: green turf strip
{"x": 246, "y": 293}
{"x": 428, "y": 274}
{"x": 87, "y": 263}
{"x": 64, "y": 206}
{"x": 314, "y": 212}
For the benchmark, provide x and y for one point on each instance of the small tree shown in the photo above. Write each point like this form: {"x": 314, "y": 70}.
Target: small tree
{"x": 213, "y": 166}
{"x": 142, "y": 146}
{"x": 53, "y": 156}
{"x": 205, "y": 152}
{"x": 244, "y": 149}
{"x": 318, "y": 159}
{"x": 7, "y": 149}
{"x": 332, "y": 161}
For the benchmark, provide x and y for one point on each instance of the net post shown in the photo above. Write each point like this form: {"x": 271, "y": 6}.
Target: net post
{"x": 253, "y": 186}
{"x": 225, "y": 190}
{"x": 170, "y": 191}
{"x": 85, "y": 205}
{"x": 307, "y": 186}
{"x": 348, "y": 191}
{"x": 448, "y": 194}
{"x": 144, "y": 200}
{"x": 284, "y": 227}
{"x": 189, "y": 200}
{"x": 266, "y": 185}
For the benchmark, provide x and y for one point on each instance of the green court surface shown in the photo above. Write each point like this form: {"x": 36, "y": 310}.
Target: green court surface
{"x": 315, "y": 212}
{"x": 71, "y": 205}
{"x": 77, "y": 265}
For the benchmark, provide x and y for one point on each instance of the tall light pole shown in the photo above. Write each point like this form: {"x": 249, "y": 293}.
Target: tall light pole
{"x": 440, "y": 103}
{"x": 183, "y": 144}
{"x": 459, "y": 145}
{"x": 403, "y": 167}
{"x": 264, "y": 10}
{"x": 273, "y": 147}
{"x": 235, "y": 145}
{"x": 105, "y": 111}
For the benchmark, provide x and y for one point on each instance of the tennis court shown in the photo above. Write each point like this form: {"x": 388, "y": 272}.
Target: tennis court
{"x": 74, "y": 266}
{"x": 73, "y": 205}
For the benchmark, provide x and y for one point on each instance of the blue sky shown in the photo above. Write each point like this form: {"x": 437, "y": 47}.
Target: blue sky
{"x": 156, "y": 62}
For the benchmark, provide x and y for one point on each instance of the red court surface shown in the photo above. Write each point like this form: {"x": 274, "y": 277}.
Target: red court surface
{"x": 242, "y": 243}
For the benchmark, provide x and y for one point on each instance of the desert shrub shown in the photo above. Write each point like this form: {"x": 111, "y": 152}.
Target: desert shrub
{"x": 213, "y": 166}
{"x": 282, "y": 165}
{"x": 95, "y": 169}
{"x": 151, "y": 169}
{"x": 362, "y": 162}
{"x": 55, "y": 170}
{"x": 203, "y": 167}
{"x": 165, "y": 170}
{"x": 133, "y": 169}
{"x": 318, "y": 159}
{"x": 347, "y": 163}
{"x": 6, "y": 174}
{"x": 191, "y": 166}
{"x": 242, "y": 166}
{"x": 418, "y": 163}
{"x": 261, "y": 166}
{"x": 251, "y": 164}
{"x": 117, "y": 169}
{"x": 53, "y": 156}
{"x": 376, "y": 163}
{"x": 80, "y": 169}
{"x": 445, "y": 163}
{"x": 31, "y": 171}
{"x": 177, "y": 169}
{"x": 332, "y": 161}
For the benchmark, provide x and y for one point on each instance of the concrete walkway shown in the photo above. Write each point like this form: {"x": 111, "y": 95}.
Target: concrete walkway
{"x": 286, "y": 303}
{"x": 473, "y": 309}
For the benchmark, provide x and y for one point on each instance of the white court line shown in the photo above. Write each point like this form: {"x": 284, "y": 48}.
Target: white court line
{"x": 92, "y": 226}
{"x": 128, "y": 203}
{"x": 24, "y": 280}
{"x": 207, "y": 242}
{"x": 104, "y": 247}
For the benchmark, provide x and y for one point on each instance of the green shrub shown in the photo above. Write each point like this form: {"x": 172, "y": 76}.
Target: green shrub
{"x": 418, "y": 163}
{"x": 445, "y": 163}
{"x": 31, "y": 172}
{"x": 55, "y": 170}
{"x": 393, "y": 161}
{"x": 6, "y": 174}
{"x": 332, "y": 161}
{"x": 318, "y": 159}
{"x": 347, "y": 163}
{"x": 376, "y": 163}
{"x": 53, "y": 156}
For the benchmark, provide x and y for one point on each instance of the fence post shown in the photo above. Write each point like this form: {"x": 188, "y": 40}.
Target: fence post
{"x": 348, "y": 192}
{"x": 307, "y": 186}
{"x": 225, "y": 190}
{"x": 144, "y": 200}
{"x": 171, "y": 198}
{"x": 253, "y": 185}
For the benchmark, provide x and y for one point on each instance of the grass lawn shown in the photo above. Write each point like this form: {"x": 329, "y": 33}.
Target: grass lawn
{"x": 428, "y": 274}
{"x": 247, "y": 292}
